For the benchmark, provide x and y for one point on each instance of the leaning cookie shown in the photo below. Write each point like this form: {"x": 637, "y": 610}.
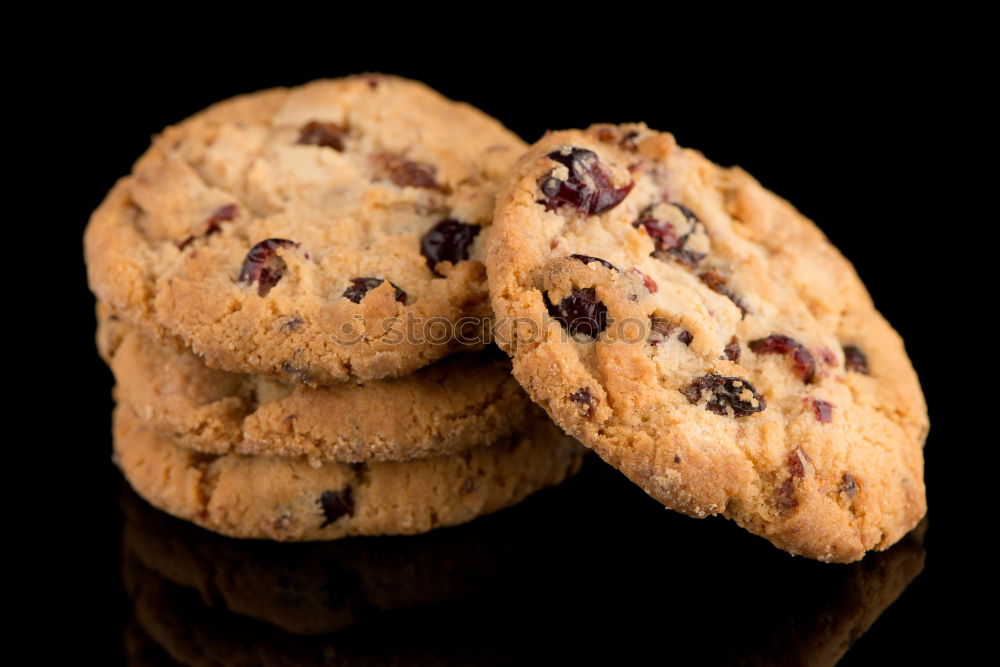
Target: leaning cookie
{"x": 460, "y": 403}
{"x": 335, "y": 230}
{"x": 706, "y": 339}
{"x": 283, "y": 499}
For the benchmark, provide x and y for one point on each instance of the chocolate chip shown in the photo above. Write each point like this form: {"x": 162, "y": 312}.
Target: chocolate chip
{"x": 448, "y": 241}
{"x": 725, "y": 394}
{"x": 336, "y": 504}
{"x": 359, "y": 287}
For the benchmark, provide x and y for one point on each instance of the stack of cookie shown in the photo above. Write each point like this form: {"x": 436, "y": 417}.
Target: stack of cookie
{"x": 291, "y": 295}
{"x": 283, "y": 273}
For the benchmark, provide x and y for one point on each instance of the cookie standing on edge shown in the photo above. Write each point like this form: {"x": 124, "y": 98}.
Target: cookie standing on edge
{"x": 466, "y": 401}
{"x": 283, "y": 499}
{"x": 330, "y": 231}
{"x": 706, "y": 339}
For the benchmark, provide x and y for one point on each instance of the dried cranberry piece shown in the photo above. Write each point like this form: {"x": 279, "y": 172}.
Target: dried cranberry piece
{"x": 213, "y": 225}
{"x": 587, "y": 259}
{"x": 786, "y": 497}
{"x": 588, "y": 187}
{"x": 802, "y": 358}
{"x": 630, "y": 141}
{"x": 222, "y": 214}
{"x": 584, "y": 398}
{"x": 822, "y": 410}
{"x": 448, "y": 241}
{"x": 296, "y": 373}
{"x": 360, "y": 287}
{"x": 407, "y": 173}
{"x": 580, "y": 312}
{"x": 732, "y": 350}
{"x": 717, "y": 284}
{"x": 647, "y": 282}
{"x": 263, "y": 266}
{"x": 336, "y": 504}
{"x": 848, "y": 485}
{"x": 797, "y": 460}
{"x": 668, "y": 243}
{"x": 855, "y": 360}
{"x": 321, "y": 133}
{"x": 607, "y": 134}
{"x": 659, "y": 330}
{"x": 725, "y": 393}
{"x": 610, "y": 135}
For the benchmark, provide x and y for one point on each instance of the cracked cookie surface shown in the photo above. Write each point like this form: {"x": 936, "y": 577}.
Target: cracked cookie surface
{"x": 290, "y": 500}
{"x": 706, "y": 339}
{"x": 468, "y": 401}
{"x": 331, "y": 231}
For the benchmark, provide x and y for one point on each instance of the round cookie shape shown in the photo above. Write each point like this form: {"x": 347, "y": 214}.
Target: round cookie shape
{"x": 459, "y": 403}
{"x": 706, "y": 339}
{"x": 291, "y": 500}
{"x": 331, "y": 231}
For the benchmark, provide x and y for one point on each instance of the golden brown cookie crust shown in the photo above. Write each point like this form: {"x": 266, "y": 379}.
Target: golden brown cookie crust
{"x": 290, "y": 500}
{"x": 353, "y": 173}
{"x": 832, "y": 466}
{"x": 460, "y": 403}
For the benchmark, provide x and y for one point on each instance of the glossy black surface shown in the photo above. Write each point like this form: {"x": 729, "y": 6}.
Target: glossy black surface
{"x": 573, "y": 574}
{"x": 860, "y": 134}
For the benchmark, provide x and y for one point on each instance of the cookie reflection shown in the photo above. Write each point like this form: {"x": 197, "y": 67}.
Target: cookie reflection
{"x": 591, "y": 570}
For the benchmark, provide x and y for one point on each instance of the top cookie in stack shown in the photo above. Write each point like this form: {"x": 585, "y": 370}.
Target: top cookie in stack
{"x": 274, "y": 279}
{"x": 321, "y": 233}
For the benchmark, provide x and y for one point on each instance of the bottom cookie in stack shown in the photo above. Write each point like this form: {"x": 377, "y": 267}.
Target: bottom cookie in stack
{"x": 253, "y": 457}
{"x": 289, "y": 499}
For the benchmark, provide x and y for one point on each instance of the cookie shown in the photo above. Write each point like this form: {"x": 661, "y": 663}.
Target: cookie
{"x": 706, "y": 339}
{"x": 289, "y": 500}
{"x": 460, "y": 403}
{"x": 331, "y": 231}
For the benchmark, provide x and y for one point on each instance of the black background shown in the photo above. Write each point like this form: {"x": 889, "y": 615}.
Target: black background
{"x": 851, "y": 135}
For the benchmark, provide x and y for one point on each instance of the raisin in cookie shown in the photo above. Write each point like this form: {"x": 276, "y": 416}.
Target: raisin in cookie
{"x": 287, "y": 499}
{"x": 330, "y": 231}
{"x": 706, "y": 339}
{"x": 468, "y": 401}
